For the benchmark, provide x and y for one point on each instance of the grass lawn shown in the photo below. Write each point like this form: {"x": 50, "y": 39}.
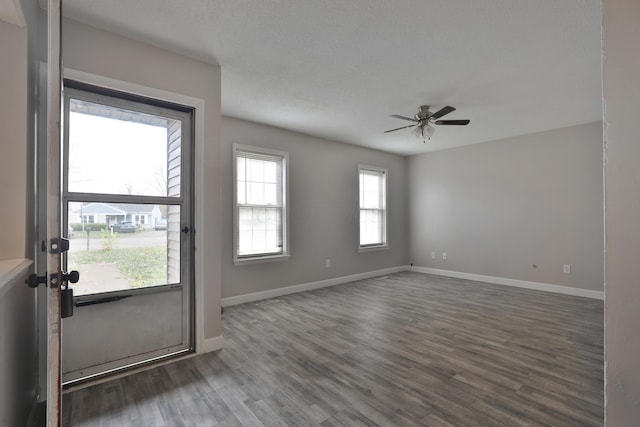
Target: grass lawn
{"x": 141, "y": 266}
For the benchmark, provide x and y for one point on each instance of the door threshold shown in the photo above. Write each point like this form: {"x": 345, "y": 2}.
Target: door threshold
{"x": 127, "y": 370}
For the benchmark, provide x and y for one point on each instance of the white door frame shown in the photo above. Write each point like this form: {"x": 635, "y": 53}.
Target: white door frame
{"x": 198, "y": 105}
{"x": 54, "y": 211}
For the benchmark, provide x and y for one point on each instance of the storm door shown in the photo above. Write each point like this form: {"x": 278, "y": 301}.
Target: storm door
{"x": 127, "y": 189}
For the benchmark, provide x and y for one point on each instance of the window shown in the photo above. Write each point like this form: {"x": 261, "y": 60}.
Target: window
{"x": 260, "y": 199}
{"x": 373, "y": 207}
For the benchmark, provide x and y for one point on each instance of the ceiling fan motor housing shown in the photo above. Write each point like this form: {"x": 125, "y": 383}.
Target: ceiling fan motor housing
{"x": 423, "y": 113}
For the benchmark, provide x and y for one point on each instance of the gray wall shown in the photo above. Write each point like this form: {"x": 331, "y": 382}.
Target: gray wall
{"x": 18, "y": 331}
{"x": 13, "y": 137}
{"x": 323, "y": 184}
{"x": 499, "y": 207}
{"x": 18, "y": 350}
{"x": 621, "y": 85}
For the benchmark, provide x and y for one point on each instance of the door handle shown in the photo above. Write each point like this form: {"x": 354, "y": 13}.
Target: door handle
{"x": 34, "y": 280}
{"x": 66, "y": 293}
{"x": 185, "y": 229}
{"x": 72, "y": 276}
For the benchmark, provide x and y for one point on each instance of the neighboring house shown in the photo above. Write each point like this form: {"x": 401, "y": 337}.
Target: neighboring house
{"x": 142, "y": 215}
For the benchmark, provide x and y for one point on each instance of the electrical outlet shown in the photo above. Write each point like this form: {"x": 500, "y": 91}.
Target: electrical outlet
{"x": 327, "y": 263}
{"x": 433, "y": 255}
{"x": 566, "y": 268}
{"x": 444, "y": 255}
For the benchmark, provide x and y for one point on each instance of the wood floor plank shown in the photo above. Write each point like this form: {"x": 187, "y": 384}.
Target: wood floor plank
{"x": 408, "y": 349}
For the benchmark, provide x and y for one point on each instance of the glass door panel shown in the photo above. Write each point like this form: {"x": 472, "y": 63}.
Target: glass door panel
{"x": 121, "y": 246}
{"x": 127, "y": 210}
{"x": 113, "y": 150}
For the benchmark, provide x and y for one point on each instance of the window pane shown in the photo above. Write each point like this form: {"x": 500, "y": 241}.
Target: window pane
{"x": 370, "y": 227}
{"x": 256, "y": 170}
{"x": 262, "y": 185}
{"x": 272, "y": 220}
{"x": 271, "y": 239}
{"x": 259, "y": 203}
{"x": 241, "y": 168}
{"x": 107, "y": 143}
{"x": 259, "y": 231}
{"x": 371, "y": 200}
{"x": 245, "y": 219}
{"x": 271, "y": 172}
{"x": 126, "y": 246}
{"x": 372, "y": 203}
{"x": 245, "y": 241}
{"x": 371, "y": 183}
{"x": 370, "y": 191}
{"x": 270, "y": 194}
{"x": 256, "y": 193}
{"x": 241, "y": 191}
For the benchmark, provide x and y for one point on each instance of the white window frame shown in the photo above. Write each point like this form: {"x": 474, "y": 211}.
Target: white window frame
{"x": 385, "y": 236}
{"x": 260, "y": 258}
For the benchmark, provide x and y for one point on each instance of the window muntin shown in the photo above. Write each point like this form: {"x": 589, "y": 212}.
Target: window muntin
{"x": 260, "y": 203}
{"x": 373, "y": 209}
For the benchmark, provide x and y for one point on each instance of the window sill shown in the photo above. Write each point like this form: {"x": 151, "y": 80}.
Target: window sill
{"x": 373, "y": 248}
{"x": 260, "y": 260}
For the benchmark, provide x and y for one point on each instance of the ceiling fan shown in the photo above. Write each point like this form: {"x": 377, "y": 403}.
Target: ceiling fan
{"x": 424, "y": 121}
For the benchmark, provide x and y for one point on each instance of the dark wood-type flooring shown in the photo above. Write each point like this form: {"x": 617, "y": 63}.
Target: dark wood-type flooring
{"x": 403, "y": 350}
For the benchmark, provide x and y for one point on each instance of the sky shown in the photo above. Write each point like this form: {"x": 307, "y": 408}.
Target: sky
{"x": 116, "y": 156}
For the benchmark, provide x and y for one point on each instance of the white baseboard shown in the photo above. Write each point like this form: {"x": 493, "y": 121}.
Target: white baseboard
{"x": 211, "y": 344}
{"x": 567, "y": 290}
{"x": 272, "y": 293}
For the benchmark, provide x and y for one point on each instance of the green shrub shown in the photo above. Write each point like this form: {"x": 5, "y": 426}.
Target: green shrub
{"x": 95, "y": 226}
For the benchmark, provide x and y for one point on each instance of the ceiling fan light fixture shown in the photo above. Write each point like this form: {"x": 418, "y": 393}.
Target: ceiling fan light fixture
{"x": 424, "y": 132}
{"x": 428, "y": 131}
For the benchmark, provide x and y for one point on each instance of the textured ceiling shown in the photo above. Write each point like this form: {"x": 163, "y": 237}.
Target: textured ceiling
{"x": 338, "y": 68}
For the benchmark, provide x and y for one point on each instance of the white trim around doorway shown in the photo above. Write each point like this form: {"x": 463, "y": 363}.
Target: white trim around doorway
{"x": 202, "y": 345}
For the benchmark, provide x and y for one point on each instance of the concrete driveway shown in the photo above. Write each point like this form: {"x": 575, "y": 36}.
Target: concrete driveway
{"x": 102, "y": 277}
